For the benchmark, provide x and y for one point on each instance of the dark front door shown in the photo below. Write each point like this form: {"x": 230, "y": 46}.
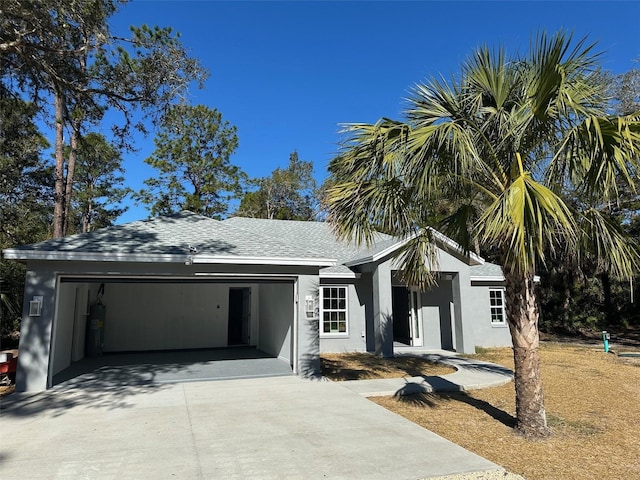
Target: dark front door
{"x": 400, "y": 306}
{"x": 239, "y": 314}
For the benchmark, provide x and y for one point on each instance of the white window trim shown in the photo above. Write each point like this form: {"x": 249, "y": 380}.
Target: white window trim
{"x": 346, "y": 312}
{"x": 503, "y": 323}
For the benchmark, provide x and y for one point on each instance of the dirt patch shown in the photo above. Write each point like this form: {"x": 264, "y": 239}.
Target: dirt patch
{"x": 364, "y": 366}
{"x": 592, "y": 404}
{"x": 6, "y": 390}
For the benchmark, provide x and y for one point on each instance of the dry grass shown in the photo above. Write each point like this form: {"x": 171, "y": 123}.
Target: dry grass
{"x": 364, "y": 366}
{"x": 593, "y": 405}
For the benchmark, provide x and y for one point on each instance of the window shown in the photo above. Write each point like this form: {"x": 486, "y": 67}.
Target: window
{"x": 333, "y": 311}
{"x": 496, "y": 300}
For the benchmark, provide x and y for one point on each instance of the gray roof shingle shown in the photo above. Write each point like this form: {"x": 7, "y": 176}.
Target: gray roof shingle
{"x": 233, "y": 238}
{"x": 173, "y": 235}
{"x": 487, "y": 269}
{"x": 316, "y": 234}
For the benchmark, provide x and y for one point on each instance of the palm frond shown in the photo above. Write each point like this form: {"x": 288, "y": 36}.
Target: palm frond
{"x": 418, "y": 260}
{"x": 597, "y": 153}
{"x": 527, "y": 218}
{"x": 604, "y": 239}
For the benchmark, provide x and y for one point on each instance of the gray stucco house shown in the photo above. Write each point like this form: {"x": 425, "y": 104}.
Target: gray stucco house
{"x": 286, "y": 287}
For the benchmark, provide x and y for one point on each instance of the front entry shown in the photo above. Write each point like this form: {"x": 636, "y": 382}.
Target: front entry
{"x": 407, "y": 319}
{"x": 239, "y": 316}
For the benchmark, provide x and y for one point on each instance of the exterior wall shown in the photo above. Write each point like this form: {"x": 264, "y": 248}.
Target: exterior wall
{"x": 35, "y": 332}
{"x": 64, "y": 327}
{"x": 307, "y": 329}
{"x": 436, "y": 316}
{"x": 165, "y": 316}
{"x": 358, "y": 297}
{"x": 276, "y": 313}
{"x": 485, "y": 333}
{"x": 458, "y": 312}
{"x": 462, "y": 308}
{"x": 383, "y": 309}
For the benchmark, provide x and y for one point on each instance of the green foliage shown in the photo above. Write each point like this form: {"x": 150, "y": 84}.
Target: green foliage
{"x": 98, "y": 185}
{"x": 192, "y": 156}
{"x": 25, "y": 202}
{"x": 579, "y": 289}
{"x": 288, "y": 194}
{"x": 62, "y": 53}
{"x": 503, "y": 141}
{"x": 625, "y": 90}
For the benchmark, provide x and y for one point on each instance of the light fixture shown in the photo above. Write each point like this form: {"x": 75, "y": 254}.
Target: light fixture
{"x": 309, "y": 305}
{"x": 35, "y": 306}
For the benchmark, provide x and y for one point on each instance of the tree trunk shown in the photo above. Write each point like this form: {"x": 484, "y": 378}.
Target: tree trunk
{"x": 86, "y": 216}
{"x": 522, "y": 315}
{"x": 71, "y": 166}
{"x": 59, "y": 207}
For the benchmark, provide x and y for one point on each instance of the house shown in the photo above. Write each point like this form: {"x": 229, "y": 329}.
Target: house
{"x": 286, "y": 287}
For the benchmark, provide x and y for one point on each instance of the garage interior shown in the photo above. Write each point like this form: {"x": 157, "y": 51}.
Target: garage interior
{"x": 170, "y": 330}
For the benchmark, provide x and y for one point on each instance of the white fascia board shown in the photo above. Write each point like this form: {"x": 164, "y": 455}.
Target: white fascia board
{"x": 13, "y": 254}
{"x": 477, "y": 278}
{"x": 339, "y": 275}
{"x": 377, "y": 256}
{"x": 310, "y": 262}
{"x": 475, "y": 259}
{"x": 486, "y": 278}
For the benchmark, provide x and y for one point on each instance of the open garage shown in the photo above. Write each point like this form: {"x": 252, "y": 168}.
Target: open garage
{"x": 193, "y": 320}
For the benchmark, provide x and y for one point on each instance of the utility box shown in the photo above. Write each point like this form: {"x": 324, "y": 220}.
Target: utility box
{"x": 94, "y": 340}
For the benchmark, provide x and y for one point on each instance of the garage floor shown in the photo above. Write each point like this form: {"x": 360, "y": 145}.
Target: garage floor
{"x": 146, "y": 368}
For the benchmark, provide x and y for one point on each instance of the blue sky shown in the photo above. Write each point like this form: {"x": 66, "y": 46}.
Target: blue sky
{"x": 288, "y": 73}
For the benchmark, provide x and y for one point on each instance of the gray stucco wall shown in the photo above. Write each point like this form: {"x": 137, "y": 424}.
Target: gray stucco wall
{"x": 35, "y": 332}
{"x": 307, "y": 329}
{"x": 487, "y": 334}
{"x": 436, "y": 316}
{"x": 383, "y": 309}
{"x": 358, "y": 296}
{"x": 167, "y": 316}
{"x": 64, "y": 327}
{"x": 465, "y": 324}
{"x": 276, "y": 320}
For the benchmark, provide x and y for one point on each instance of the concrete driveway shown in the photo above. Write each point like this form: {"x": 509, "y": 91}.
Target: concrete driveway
{"x": 262, "y": 428}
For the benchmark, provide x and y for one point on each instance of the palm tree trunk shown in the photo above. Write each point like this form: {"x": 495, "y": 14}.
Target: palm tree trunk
{"x": 522, "y": 316}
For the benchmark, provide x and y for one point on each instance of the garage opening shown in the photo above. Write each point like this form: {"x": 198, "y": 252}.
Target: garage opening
{"x": 189, "y": 324}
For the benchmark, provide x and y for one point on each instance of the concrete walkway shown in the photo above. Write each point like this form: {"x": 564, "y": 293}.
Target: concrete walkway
{"x": 470, "y": 375}
{"x": 261, "y": 428}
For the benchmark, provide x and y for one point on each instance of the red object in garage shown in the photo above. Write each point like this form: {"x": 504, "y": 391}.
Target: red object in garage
{"x": 8, "y": 366}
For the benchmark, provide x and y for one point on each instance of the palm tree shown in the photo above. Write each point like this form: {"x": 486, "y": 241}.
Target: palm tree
{"x": 501, "y": 142}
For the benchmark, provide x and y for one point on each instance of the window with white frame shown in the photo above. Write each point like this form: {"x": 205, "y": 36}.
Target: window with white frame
{"x": 496, "y": 300}
{"x": 333, "y": 311}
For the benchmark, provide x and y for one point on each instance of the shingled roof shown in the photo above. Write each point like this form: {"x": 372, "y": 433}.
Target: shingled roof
{"x": 174, "y": 238}
{"x": 171, "y": 238}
